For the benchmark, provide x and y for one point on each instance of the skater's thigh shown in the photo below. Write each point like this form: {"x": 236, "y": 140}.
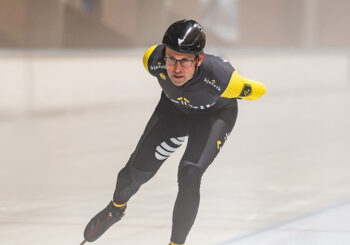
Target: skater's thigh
{"x": 206, "y": 137}
{"x": 163, "y": 134}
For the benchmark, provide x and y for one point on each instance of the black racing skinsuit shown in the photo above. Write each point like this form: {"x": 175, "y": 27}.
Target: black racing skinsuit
{"x": 197, "y": 112}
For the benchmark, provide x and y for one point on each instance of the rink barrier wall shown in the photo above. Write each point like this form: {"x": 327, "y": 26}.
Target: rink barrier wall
{"x": 37, "y": 82}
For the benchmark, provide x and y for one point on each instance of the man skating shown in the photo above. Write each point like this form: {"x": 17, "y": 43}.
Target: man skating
{"x": 198, "y": 104}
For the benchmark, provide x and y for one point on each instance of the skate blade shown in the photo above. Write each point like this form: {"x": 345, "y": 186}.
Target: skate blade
{"x": 83, "y": 242}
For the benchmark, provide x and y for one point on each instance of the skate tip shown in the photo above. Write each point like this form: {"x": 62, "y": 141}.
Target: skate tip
{"x": 83, "y": 242}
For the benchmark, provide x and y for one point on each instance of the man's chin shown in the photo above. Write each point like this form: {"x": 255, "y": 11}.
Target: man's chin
{"x": 178, "y": 82}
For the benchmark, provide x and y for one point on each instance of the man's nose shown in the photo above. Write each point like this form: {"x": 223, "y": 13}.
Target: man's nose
{"x": 177, "y": 66}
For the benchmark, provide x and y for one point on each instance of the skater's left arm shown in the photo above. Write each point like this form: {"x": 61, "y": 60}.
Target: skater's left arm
{"x": 241, "y": 87}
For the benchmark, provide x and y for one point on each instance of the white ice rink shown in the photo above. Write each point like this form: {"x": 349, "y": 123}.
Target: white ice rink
{"x": 283, "y": 176}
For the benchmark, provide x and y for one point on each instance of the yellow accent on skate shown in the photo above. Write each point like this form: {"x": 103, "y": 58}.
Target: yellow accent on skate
{"x": 172, "y": 243}
{"x": 118, "y": 205}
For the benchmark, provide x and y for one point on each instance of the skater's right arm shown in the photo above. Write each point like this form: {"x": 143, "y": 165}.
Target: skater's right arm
{"x": 153, "y": 59}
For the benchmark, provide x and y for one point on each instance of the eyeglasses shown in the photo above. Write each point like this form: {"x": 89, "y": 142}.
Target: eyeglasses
{"x": 171, "y": 61}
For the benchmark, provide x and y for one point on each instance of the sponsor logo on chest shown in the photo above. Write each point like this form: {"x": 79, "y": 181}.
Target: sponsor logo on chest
{"x": 185, "y": 102}
{"x": 212, "y": 83}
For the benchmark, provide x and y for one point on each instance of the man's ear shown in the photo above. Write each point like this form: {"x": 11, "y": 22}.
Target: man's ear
{"x": 200, "y": 58}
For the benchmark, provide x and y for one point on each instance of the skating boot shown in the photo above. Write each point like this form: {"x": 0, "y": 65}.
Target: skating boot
{"x": 102, "y": 221}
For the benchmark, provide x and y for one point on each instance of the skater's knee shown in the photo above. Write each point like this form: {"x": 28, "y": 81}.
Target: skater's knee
{"x": 130, "y": 175}
{"x": 189, "y": 175}
{"x": 139, "y": 177}
{"x": 129, "y": 181}
{"x": 124, "y": 177}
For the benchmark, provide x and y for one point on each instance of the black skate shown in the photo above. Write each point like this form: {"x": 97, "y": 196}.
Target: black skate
{"x": 102, "y": 221}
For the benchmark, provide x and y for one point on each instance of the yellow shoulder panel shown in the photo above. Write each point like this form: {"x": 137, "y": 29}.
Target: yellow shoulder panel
{"x": 147, "y": 55}
{"x": 240, "y": 87}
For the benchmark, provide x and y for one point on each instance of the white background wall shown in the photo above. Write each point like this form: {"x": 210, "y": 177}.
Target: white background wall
{"x": 45, "y": 82}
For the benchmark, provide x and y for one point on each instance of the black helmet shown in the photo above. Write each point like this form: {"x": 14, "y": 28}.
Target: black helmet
{"x": 185, "y": 36}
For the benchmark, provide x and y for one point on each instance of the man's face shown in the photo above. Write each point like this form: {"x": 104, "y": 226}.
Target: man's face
{"x": 180, "y": 74}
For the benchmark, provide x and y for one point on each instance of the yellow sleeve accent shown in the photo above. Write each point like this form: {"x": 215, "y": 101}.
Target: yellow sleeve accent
{"x": 240, "y": 87}
{"x": 147, "y": 55}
